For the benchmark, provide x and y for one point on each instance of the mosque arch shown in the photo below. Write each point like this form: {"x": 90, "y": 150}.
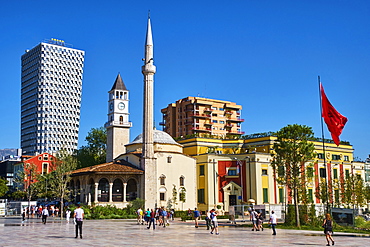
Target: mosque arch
{"x": 91, "y": 189}
{"x": 117, "y": 190}
{"x": 78, "y": 191}
{"x": 73, "y": 192}
{"x": 131, "y": 190}
{"x": 103, "y": 190}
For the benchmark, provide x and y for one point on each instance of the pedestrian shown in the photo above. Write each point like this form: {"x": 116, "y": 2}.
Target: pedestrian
{"x": 172, "y": 214}
{"x": 152, "y": 219}
{"x": 45, "y": 214}
{"x": 328, "y": 229}
{"x": 147, "y": 216}
{"x": 196, "y": 217}
{"x": 254, "y": 216}
{"x": 79, "y": 216}
{"x": 164, "y": 217}
{"x": 68, "y": 214}
{"x": 260, "y": 220}
{"x": 189, "y": 212}
{"x": 214, "y": 222}
{"x": 140, "y": 214}
{"x": 273, "y": 222}
{"x": 208, "y": 220}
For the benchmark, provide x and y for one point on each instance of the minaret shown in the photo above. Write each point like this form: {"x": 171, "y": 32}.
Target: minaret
{"x": 118, "y": 124}
{"x": 148, "y": 160}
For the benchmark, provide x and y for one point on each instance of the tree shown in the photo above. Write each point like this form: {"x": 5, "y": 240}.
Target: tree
{"x": 65, "y": 163}
{"x": 94, "y": 152}
{"x": 292, "y": 150}
{"x": 26, "y": 180}
{"x": 3, "y": 187}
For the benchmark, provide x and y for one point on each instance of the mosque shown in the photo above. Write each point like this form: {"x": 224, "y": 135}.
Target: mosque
{"x": 152, "y": 167}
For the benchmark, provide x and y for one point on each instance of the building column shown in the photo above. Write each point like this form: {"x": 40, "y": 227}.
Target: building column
{"x": 124, "y": 192}
{"x": 110, "y": 192}
{"x": 96, "y": 193}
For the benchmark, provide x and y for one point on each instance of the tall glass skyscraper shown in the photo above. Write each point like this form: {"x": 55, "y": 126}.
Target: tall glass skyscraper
{"x": 51, "y": 97}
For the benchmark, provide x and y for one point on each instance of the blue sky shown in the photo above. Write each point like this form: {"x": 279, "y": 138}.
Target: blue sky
{"x": 263, "y": 55}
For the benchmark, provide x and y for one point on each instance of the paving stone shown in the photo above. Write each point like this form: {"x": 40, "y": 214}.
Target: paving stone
{"x": 127, "y": 233}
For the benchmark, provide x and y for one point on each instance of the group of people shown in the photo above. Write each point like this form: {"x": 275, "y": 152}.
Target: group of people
{"x": 257, "y": 220}
{"x": 45, "y": 211}
{"x": 33, "y": 210}
{"x": 152, "y": 217}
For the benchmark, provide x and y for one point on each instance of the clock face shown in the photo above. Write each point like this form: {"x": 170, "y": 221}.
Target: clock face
{"x": 121, "y": 106}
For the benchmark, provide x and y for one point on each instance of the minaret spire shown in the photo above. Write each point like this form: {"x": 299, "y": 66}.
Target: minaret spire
{"x": 148, "y": 161}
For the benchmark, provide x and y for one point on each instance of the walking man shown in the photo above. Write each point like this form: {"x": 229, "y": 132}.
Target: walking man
{"x": 196, "y": 217}
{"x": 254, "y": 216}
{"x": 79, "y": 216}
{"x": 152, "y": 219}
{"x": 273, "y": 222}
{"x": 214, "y": 222}
{"x": 45, "y": 214}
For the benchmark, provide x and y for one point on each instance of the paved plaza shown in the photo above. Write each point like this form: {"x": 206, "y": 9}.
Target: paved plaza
{"x": 127, "y": 233}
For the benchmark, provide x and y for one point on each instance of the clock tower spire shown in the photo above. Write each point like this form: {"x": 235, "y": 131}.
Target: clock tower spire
{"x": 118, "y": 124}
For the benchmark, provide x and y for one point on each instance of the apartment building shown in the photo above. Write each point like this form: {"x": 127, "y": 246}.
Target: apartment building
{"x": 202, "y": 117}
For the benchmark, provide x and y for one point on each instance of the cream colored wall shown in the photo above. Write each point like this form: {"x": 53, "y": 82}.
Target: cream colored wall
{"x": 181, "y": 165}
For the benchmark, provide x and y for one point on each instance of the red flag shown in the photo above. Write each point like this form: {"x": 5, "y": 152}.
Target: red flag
{"x": 333, "y": 119}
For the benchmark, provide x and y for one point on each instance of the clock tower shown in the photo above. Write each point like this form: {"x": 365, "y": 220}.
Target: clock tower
{"x": 118, "y": 124}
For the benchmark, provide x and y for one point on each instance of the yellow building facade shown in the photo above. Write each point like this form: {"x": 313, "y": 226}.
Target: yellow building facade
{"x": 236, "y": 171}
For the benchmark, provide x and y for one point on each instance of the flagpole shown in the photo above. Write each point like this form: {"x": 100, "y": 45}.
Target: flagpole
{"x": 323, "y": 148}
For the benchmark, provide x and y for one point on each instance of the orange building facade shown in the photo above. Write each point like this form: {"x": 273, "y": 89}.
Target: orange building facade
{"x": 202, "y": 117}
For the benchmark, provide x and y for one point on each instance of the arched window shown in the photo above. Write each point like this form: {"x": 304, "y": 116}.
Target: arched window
{"x": 131, "y": 190}
{"x": 162, "y": 180}
{"x": 103, "y": 190}
{"x": 120, "y": 119}
{"x": 182, "y": 181}
{"x": 169, "y": 159}
{"x": 117, "y": 191}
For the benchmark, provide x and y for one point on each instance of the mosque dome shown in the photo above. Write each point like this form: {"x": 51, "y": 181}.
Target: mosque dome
{"x": 160, "y": 137}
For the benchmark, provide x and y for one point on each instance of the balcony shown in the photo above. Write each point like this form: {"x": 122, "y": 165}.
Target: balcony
{"x": 200, "y": 115}
{"x": 228, "y": 112}
{"x": 202, "y": 129}
{"x": 236, "y": 132}
{"x": 208, "y": 109}
{"x": 235, "y": 120}
{"x": 207, "y": 123}
{"x": 229, "y": 125}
